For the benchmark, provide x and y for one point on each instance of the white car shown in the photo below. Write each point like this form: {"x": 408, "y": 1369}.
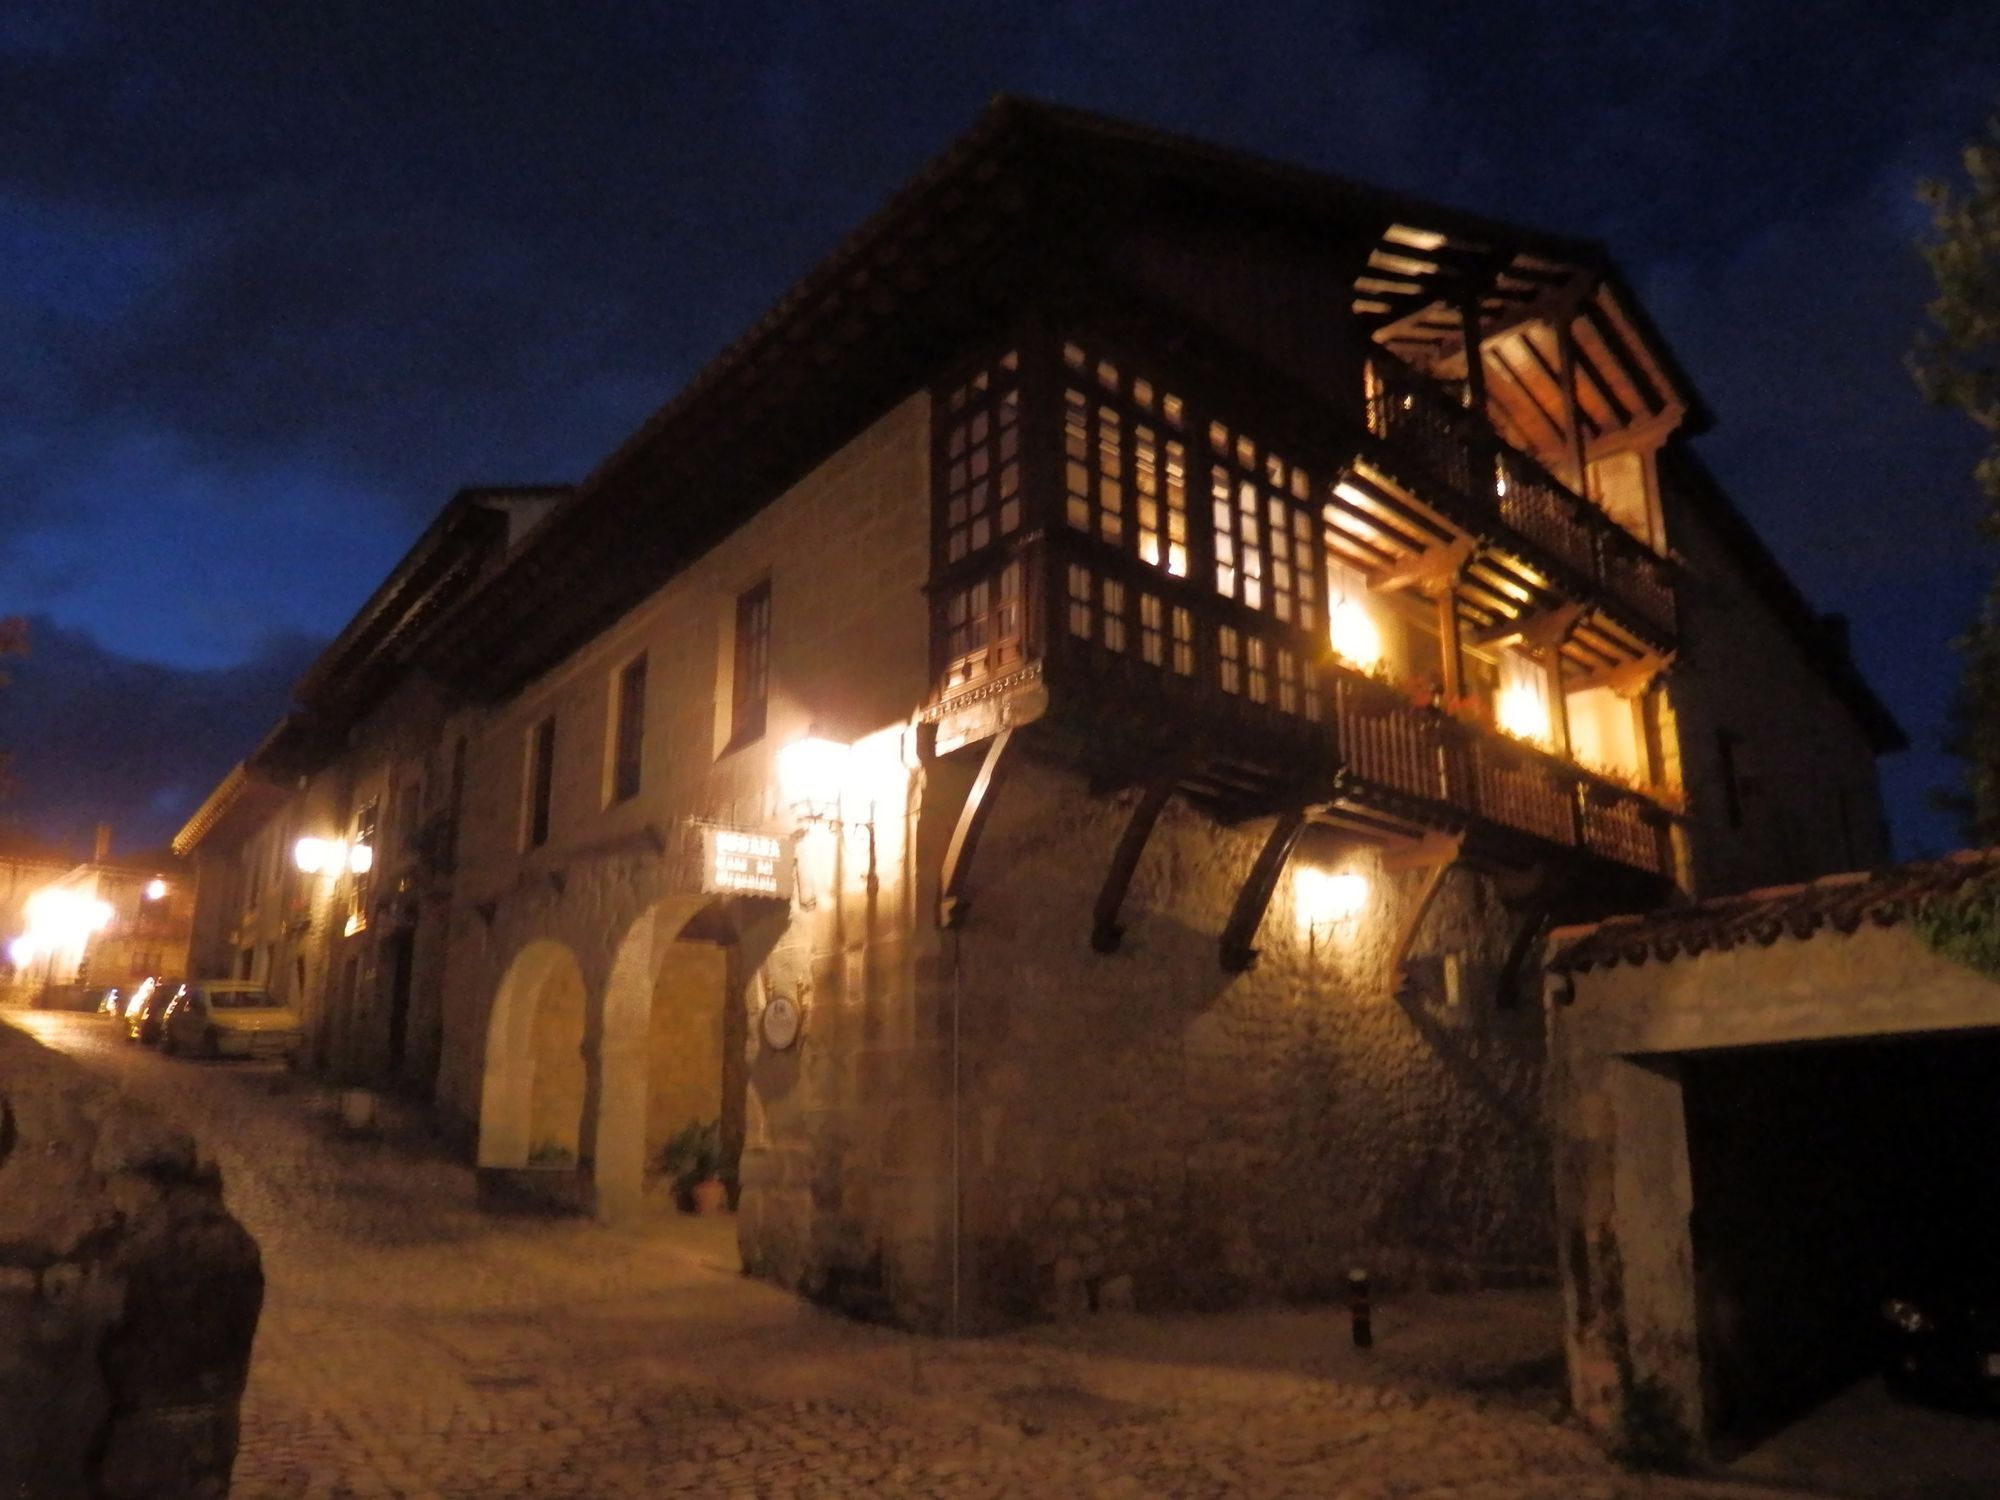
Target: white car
{"x": 230, "y": 1018}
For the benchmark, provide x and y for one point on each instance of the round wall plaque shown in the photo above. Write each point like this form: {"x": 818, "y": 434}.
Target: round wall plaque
{"x": 780, "y": 1022}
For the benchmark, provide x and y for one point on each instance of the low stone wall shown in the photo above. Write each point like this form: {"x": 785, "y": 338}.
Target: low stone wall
{"x": 128, "y": 1295}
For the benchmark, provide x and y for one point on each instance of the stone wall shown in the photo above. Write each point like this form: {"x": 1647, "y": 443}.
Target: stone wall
{"x": 1143, "y": 1127}
{"x": 128, "y": 1295}
{"x": 1808, "y": 801}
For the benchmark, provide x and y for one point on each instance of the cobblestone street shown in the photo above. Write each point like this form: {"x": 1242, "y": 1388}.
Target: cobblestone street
{"x": 412, "y": 1346}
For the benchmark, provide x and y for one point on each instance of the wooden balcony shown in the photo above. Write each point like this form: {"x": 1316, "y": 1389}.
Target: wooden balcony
{"x": 1353, "y": 748}
{"x": 1459, "y": 466}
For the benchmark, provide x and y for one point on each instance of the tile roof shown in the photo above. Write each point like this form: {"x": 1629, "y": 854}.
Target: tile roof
{"x": 1882, "y": 898}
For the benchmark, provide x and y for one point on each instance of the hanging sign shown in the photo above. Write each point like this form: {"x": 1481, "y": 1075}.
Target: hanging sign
{"x": 735, "y": 862}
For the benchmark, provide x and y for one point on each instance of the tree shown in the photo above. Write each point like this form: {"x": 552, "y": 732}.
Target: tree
{"x": 1957, "y": 365}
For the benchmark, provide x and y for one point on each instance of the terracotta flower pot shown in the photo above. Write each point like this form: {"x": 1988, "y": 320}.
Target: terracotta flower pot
{"x": 708, "y": 1196}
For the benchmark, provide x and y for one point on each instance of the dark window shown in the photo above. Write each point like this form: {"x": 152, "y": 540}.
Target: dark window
{"x": 1732, "y": 791}
{"x": 629, "y": 732}
{"x": 750, "y": 682}
{"x": 541, "y": 780}
{"x": 456, "y": 803}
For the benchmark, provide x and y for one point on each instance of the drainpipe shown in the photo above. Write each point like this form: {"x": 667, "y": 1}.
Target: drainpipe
{"x": 957, "y": 1188}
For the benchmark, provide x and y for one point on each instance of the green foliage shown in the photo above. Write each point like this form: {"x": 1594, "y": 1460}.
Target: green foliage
{"x": 1965, "y": 926}
{"x": 1653, "y": 1435}
{"x": 1957, "y": 365}
{"x": 693, "y": 1153}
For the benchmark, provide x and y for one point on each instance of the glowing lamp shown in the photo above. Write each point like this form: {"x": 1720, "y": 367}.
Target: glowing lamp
{"x": 360, "y": 858}
{"x": 155, "y": 889}
{"x": 1328, "y": 896}
{"x": 1353, "y": 635}
{"x": 310, "y": 855}
{"x": 812, "y": 772}
{"x": 21, "y": 952}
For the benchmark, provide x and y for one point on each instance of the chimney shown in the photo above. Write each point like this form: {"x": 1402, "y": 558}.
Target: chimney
{"x": 103, "y": 850}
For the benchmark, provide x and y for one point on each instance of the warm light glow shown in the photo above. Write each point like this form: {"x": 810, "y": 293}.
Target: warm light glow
{"x": 331, "y": 856}
{"x": 59, "y": 917}
{"x": 21, "y": 952}
{"x": 1353, "y": 634}
{"x": 812, "y": 773}
{"x": 1519, "y": 711}
{"x": 155, "y": 889}
{"x": 1327, "y": 896}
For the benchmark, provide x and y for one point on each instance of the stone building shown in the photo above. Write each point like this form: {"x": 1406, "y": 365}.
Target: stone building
{"x": 112, "y": 919}
{"x": 1062, "y": 740}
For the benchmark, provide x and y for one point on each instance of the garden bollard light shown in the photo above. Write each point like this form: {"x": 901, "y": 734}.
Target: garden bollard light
{"x": 1358, "y": 1309}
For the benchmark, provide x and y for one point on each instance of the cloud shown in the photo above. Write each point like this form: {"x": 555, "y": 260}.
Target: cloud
{"x": 96, "y": 736}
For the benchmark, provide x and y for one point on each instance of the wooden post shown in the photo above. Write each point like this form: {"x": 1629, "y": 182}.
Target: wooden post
{"x": 1552, "y": 661}
{"x": 1475, "y": 360}
{"x": 1572, "y": 411}
{"x": 1450, "y": 650}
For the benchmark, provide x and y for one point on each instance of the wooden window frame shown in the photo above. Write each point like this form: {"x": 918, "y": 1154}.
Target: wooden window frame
{"x": 750, "y": 667}
{"x": 626, "y": 772}
{"x": 538, "y": 786}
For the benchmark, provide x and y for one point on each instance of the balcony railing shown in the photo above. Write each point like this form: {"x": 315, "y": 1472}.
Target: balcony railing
{"x": 1391, "y": 745}
{"x": 1501, "y": 483}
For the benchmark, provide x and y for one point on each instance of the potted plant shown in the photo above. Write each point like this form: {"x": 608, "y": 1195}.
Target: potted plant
{"x": 692, "y": 1159}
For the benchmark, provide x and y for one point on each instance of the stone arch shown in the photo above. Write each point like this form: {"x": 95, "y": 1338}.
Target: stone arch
{"x": 531, "y": 1099}
{"x": 672, "y": 1043}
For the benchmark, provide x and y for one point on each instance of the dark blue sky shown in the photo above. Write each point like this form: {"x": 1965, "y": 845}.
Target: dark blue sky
{"x": 274, "y": 280}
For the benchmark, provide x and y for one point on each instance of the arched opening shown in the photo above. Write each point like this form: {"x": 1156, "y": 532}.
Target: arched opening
{"x": 531, "y": 1102}
{"x": 673, "y": 1045}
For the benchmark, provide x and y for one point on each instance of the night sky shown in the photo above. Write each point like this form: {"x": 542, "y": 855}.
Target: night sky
{"x": 276, "y": 279}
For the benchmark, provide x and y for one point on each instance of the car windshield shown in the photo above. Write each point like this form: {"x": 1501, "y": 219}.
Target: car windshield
{"x": 241, "y": 1000}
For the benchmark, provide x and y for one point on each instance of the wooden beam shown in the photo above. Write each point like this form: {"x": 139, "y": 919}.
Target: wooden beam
{"x": 952, "y": 900}
{"x": 1430, "y": 568}
{"x": 1628, "y": 679}
{"x": 1254, "y": 898}
{"x": 1538, "y": 630}
{"x": 1646, "y": 433}
{"x": 1572, "y": 410}
{"x": 1434, "y": 854}
{"x": 1105, "y": 932}
{"x": 1451, "y": 654}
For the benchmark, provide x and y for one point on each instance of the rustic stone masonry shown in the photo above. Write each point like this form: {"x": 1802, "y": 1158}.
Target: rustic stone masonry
{"x": 128, "y": 1295}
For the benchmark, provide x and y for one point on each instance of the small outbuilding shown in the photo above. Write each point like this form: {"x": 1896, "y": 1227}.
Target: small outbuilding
{"x": 1766, "y": 1109}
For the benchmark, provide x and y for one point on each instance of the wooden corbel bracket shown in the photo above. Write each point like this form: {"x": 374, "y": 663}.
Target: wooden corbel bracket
{"x": 1105, "y": 931}
{"x": 1433, "y": 854}
{"x": 952, "y": 880}
{"x": 1254, "y": 899}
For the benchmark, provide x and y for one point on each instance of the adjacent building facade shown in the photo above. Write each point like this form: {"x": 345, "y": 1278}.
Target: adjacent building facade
{"x": 1064, "y": 742}
{"x": 109, "y": 920}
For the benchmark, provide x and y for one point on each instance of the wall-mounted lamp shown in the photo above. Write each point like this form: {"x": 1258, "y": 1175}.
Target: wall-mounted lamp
{"x": 331, "y": 856}
{"x": 155, "y": 889}
{"x": 1327, "y": 897}
{"x": 812, "y": 774}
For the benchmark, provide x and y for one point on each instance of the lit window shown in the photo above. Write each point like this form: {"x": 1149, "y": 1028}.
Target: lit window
{"x": 1114, "y": 614}
{"x": 1229, "y": 653}
{"x": 1258, "y": 655}
{"x": 1081, "y": 611}
{"x": 1152, "y": 631}
{"x": 1183, "y": 641}
{"x": 982, "y": 460}
{"x": 983, "y": 627}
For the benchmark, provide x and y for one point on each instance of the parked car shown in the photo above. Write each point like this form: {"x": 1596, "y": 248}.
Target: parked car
{"x": 142, "y": 1010}
{"x": 229, "y": 1018}
{"x": 84, "y": 997}
{"x": 1943, "y": 1342}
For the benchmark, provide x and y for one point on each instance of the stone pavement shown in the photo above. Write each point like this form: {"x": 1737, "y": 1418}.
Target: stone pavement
{"x": 413, "y": 1346}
